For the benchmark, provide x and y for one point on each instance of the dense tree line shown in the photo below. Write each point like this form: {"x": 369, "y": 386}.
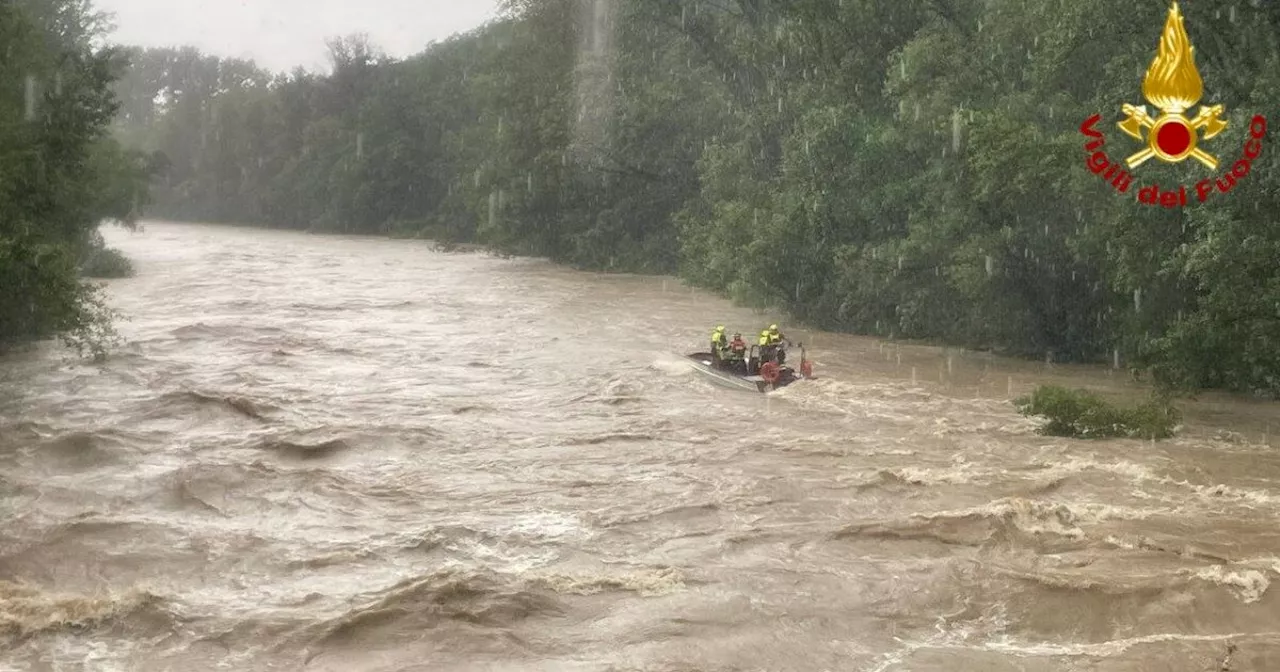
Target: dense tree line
{"x": 906, "y": 168}
{"x": 61, "y": 171}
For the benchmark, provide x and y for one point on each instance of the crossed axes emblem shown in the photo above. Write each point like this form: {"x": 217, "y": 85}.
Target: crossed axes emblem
{"x": 1179, "y": 139}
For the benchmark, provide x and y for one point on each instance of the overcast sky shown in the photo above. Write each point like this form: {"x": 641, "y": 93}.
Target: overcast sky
{"x": 281, "y": 34}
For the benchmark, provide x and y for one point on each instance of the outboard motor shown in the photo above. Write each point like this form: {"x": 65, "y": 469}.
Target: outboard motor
{"x": 806, "y": 366}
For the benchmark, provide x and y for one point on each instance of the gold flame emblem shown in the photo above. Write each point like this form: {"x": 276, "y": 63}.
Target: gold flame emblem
{"x": 1173, "y": 85}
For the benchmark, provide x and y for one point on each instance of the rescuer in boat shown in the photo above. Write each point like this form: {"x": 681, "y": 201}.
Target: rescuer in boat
{"x": 767, "y": 351}
{"x": 718, "y": 347}
{"x": 771, "y": 346}
{"x": 738, "y": 354}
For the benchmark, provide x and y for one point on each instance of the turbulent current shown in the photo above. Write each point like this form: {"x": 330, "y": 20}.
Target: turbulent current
{"x": 355, "y": 454}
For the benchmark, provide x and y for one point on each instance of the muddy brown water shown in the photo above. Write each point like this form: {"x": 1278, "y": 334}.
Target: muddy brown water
{"x": 354, "y": 454}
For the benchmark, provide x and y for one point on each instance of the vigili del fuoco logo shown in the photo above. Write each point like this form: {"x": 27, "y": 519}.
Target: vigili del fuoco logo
{"x": 1173, "y": 86}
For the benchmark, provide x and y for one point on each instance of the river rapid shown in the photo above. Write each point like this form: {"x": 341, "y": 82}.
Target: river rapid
{"x": 355, "y": 454}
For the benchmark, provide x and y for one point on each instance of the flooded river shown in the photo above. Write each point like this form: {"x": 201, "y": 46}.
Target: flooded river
{"x": 359, "y": 455}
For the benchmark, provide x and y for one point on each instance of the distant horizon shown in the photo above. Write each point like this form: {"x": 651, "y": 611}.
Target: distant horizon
{"x": 282, "y": 35}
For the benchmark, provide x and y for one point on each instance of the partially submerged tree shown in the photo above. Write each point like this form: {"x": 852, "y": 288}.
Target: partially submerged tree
{"x": 61, "y": 175}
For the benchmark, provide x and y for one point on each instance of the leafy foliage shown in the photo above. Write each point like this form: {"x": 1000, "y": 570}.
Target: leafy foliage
{"x": 1083, "y": 414}
{"x": 61, "y": 174}
{"x": 106, "y": 262}
{"x": 910, "y": 169}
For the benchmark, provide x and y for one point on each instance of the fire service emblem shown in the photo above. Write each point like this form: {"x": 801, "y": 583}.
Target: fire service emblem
{"x": 1173, "y": 85}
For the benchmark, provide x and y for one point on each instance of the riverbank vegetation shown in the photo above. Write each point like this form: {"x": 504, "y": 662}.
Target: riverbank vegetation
{"x": 61, "y": 173}
{"x": 902, "y": 168}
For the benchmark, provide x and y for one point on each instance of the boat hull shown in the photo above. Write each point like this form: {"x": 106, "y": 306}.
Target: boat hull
{"x": 702, "y": 364}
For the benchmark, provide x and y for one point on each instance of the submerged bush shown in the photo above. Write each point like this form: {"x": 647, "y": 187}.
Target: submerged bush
{"x": 1083, "y": 414}
{"x": 45, "y": 297}
{"x": 107, "y": 263}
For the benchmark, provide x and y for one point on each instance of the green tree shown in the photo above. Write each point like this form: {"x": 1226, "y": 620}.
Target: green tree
{"x": 61, "y": 174}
